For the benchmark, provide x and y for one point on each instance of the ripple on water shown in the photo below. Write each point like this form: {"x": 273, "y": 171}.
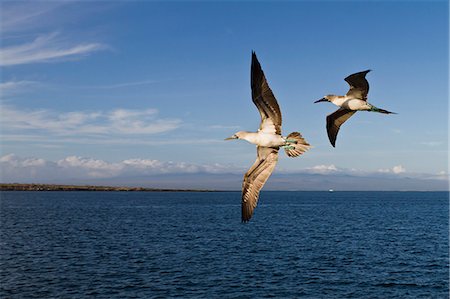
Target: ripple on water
{"x": 159, "y": 245}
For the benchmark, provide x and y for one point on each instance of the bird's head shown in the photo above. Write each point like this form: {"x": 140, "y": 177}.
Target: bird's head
{"x": 237, "y": 135}
{"x": 327, "y": 98}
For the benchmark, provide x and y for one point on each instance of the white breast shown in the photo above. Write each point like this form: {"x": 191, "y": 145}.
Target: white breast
{"x": 353, "y": 104}
{"x": 264, "y": 139}
{"x": 269, "y": 140}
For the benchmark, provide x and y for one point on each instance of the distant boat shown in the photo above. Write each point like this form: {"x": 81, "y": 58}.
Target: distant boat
{"x": 330, "y": 190}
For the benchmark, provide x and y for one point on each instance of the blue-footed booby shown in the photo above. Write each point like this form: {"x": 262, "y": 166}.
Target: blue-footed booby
{"x": 354, "y": 100}
{"x": 268, "y": 140}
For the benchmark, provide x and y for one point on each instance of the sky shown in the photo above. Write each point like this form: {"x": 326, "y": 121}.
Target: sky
{"x": 144, "y": 92}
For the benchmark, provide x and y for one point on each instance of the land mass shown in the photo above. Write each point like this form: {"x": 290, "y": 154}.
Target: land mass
{"x": 51, "y": 187}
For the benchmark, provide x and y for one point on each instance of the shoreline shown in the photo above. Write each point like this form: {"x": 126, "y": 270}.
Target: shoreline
{"x": 54, "y": 187}
{"x": 62, "y": 187}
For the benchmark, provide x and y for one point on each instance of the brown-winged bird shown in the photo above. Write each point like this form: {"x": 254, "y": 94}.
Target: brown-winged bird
{"x": 268, "y": 140}
{"x": 354, "y": 100}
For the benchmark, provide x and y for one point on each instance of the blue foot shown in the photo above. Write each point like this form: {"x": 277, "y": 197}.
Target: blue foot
{"x": 291, "y": 141}
{"x": 288, "y": 147}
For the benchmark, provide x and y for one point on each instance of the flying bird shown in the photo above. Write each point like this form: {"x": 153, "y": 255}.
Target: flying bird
{"x": 354, "y": 100}
{"x": 268, "y": 140}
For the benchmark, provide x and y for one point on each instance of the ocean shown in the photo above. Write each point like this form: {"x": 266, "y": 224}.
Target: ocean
{"x": 193, "y": 245}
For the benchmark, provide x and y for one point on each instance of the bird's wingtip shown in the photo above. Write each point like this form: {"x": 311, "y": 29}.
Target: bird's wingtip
{"x": 255, "y": 62}
{"x": 245, "y": 218}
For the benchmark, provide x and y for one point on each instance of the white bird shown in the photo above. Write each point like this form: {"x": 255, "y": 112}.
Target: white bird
{"x": 354, "y": 100}
{"x": 268, "y": 140}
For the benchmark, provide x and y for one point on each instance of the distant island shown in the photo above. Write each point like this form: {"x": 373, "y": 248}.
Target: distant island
{"x": 51, "y": 187}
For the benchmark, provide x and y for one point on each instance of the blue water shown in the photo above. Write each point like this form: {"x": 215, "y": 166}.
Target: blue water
{"x": 160, "y": 245}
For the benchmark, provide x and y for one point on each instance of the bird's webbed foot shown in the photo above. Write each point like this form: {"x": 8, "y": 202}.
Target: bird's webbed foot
{"x": 291, "y": 141}
{"x": 288, "y": 147}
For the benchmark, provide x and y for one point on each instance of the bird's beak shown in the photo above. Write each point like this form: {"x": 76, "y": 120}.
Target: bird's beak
{"x": 232, "y": 137}
{"x": 321, "y": 100}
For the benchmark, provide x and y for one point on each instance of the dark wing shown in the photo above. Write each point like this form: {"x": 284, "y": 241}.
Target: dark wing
{"x": 263, "y": 97}
{"x": 334, "y": 122}
{"x": 255, "y": 178}
{"x": 359, "y": 87}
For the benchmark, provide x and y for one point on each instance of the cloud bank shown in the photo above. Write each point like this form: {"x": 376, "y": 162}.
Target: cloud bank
{"x": 15, "y": 168}
{"x": 168, "y": 174}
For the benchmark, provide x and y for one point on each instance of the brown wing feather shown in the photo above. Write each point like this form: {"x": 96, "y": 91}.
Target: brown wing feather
{"x": 359, "y": 87}
{"x": 334, "y": 122}
{"x": 263, "y": 96}
{"x": 255, "y": 178}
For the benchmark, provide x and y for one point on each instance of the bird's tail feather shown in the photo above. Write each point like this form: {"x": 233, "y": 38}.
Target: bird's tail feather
{"x": 375, "y": 109}
{"x": 296, "y": 145}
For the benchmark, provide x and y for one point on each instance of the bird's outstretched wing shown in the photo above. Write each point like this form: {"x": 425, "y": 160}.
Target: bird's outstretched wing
{"x": 264, "y": 99}
{"x": 255, "y": 178}
{"x": 359, "y": 87}
{"x": 334, "y": 122}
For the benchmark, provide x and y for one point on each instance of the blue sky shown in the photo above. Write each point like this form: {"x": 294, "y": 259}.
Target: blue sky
{"x": 115, "y": 89}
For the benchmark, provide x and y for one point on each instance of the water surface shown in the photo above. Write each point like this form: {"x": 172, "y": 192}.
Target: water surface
{"x": 159, "y": 245}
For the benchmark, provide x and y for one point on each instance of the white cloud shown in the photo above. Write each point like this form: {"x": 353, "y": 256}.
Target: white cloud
{"x": 114, "y": 122}
{"x": 323, "y": 169}
{"x": 19, "y": 162}
{"x": 140, "y": 122}
{"x": 15, "y": 168}
{"x": 19, "y": 22}
{"x": 45, "y": 48}
{"x": 90, "y": 167}
{"x": 398, "y": 169}
{"x": 332, "y": 169}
